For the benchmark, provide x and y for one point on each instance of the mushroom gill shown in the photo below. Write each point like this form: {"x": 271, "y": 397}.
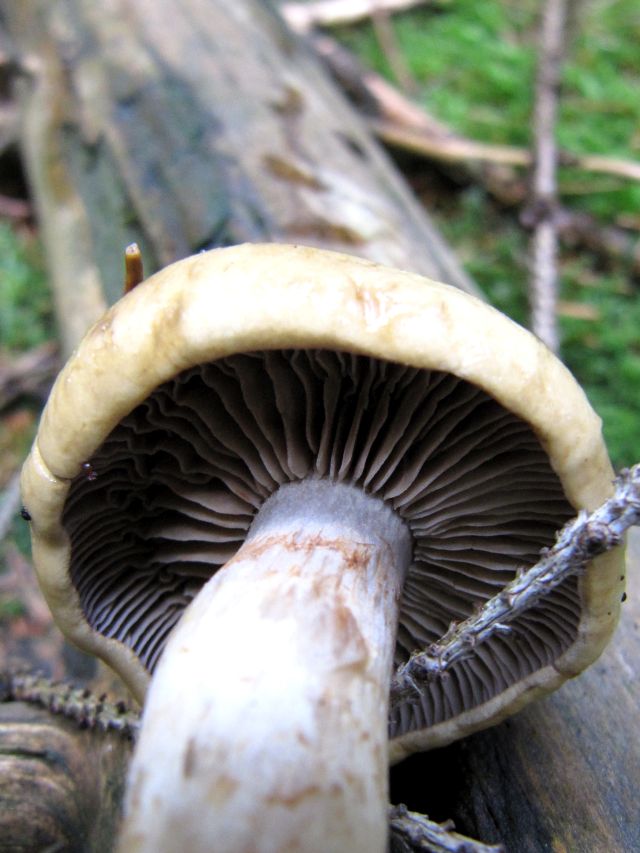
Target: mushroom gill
{"x": 172, "y": 492}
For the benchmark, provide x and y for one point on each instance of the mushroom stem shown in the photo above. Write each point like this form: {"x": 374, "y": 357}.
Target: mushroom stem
{"x": 265, "y": 725}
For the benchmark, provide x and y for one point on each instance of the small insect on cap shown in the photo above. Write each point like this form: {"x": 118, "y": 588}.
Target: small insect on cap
{"x": 229, "y": 374}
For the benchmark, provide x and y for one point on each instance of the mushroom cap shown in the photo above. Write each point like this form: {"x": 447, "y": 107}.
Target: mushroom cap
{"x": 237, "y": 302}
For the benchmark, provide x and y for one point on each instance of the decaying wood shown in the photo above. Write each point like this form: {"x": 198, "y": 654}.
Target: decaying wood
{"x": 218, "y": 129}
{"x": 61, "y": 786}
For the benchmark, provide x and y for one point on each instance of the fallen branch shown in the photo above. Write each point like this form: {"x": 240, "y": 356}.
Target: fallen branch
{"x": 411, "y": 831}
{"x": 400, "y": 123}
{"x": 303, "y": 17}
{"x": 75, "y": 703}
{"x": 577, "y": 543}
{"x": 432, "y": 139}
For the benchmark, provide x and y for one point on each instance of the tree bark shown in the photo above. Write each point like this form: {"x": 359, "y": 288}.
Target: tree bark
{"x": 61, "y": 787}
{"x": 184, "y": 125}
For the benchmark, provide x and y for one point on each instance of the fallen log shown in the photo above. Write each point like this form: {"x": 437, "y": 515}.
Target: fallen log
{"x": 60, "y": 786}
{"x": 218, "y": 129}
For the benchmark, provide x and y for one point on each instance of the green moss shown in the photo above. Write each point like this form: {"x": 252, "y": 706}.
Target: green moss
{"x": 11, "y": 608}
{"x": 603, "y": 353}
{"x": 474, "y": 66}
{"x": 25, "y": 301}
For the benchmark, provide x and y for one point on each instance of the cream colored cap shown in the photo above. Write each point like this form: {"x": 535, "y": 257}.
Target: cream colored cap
{"x": 233, "y": 371}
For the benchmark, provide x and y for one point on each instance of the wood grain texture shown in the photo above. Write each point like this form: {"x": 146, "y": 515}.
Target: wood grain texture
{"x": 60, "y": 787}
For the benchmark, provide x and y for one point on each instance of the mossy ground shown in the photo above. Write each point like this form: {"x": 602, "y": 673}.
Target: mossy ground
{"x": 474, "y": 65}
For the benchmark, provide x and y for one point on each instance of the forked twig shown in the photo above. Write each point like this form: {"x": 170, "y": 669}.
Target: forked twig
{"x": 577, "y": 543}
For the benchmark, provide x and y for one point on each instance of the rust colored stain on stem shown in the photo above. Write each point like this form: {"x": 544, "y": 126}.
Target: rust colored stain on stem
{"x": 355, "y": 555}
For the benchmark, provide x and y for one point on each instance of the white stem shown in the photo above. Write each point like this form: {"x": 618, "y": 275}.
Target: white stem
{"x": 265, "y": 726}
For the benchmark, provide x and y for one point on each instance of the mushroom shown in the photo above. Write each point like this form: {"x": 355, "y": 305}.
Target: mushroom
{"x": 269, "y": 473}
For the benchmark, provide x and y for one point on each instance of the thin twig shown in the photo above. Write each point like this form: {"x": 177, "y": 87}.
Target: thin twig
{"x": 411, "y": 831}
{"x": 75, "y": 703}
{"x": 450, "y": 147}
{"x": 9, "y": 504}
{"x": 386, "y": 37}
{"x": 541, "y": 212}
{"x": 578, "y": 542}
